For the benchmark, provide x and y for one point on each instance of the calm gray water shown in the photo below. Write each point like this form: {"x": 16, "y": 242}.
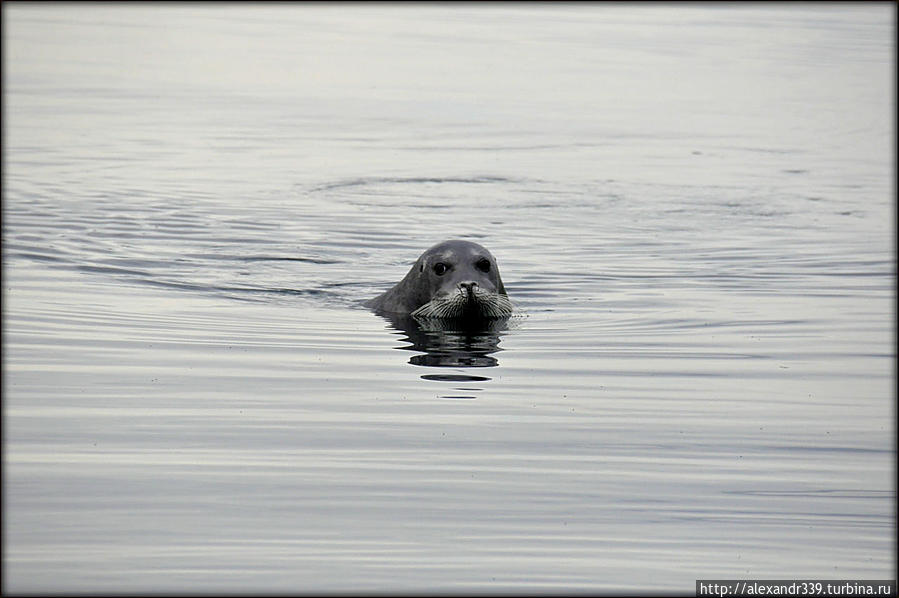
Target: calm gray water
{"x": 693, "y": 206}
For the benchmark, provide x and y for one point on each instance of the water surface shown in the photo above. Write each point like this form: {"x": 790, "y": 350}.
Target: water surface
{"x": 692, "y": 205}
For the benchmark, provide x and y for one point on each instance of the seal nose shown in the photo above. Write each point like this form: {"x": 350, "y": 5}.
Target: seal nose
{"x": 468, "y": 287}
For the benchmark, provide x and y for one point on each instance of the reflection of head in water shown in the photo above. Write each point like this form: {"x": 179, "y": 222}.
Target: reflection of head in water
{"x": 450, "y": 343}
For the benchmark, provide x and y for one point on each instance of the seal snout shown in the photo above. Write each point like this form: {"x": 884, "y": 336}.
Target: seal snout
{"x": 470, "y": 292}
{"x": 468, "y": 288}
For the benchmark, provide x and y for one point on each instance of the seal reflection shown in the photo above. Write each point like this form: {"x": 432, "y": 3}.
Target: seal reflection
{"x": 447, "y": 343}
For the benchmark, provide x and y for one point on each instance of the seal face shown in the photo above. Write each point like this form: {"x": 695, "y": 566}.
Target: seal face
{"x": 451, "y": 280}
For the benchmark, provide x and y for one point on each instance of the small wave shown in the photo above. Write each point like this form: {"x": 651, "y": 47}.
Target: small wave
{"x": 367, "y": 181}
{"x": 40, "y": 257}
{"x": 822, "y": 493}
{"x": 246, "y": 293}
{"x": 110, "y": 270}
{"x": 274, "y": 258}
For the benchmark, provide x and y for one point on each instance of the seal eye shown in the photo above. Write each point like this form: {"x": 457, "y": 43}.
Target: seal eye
{"x": 440, "y": 268}
{"x": 483, "y": 265}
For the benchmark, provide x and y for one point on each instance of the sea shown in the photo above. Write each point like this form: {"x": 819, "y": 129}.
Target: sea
{"x": 692, "y": 206}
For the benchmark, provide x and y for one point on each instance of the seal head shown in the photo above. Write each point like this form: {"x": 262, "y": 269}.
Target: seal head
{"x": 451, "y": 280}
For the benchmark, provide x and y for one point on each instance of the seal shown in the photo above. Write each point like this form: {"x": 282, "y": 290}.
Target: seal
{"x": 451, "y": 280}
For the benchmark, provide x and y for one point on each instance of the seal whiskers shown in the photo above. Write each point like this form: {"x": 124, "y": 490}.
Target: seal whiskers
{"x": 478, "y": 302}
